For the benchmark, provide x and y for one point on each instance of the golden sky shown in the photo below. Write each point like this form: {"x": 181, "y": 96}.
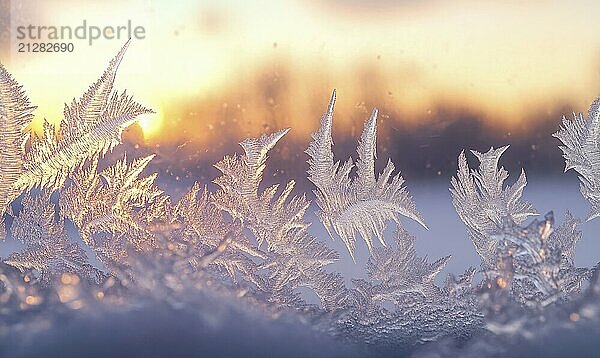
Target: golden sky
{"x": 214, "y": 68}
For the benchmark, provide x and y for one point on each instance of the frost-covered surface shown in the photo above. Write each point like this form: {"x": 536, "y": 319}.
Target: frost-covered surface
{"x": 568, "y": 329}
{"x": 226, "y": 271}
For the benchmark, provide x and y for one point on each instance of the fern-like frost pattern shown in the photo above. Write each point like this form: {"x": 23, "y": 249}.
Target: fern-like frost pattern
{"x": 15, "y": 117}
{"x": 48, "y": 251}
{"x": 253, "y": 244}
{"x": 482, "y": 201}
{"x": 362, "y": 205}
{"x": 92, "y": 126}
{"x": 581, "y": 151}
{"x": 294, "y": 259}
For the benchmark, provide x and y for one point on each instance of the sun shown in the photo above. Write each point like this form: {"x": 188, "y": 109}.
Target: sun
{"x": 151, "y": 123}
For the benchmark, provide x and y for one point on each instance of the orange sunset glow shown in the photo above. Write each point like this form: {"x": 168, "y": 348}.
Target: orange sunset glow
{"x": 236, "y": 68}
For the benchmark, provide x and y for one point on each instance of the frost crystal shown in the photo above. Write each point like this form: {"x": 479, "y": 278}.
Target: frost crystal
{"x": 48, "y": 250}
{"x": 420, "y": 311}
{"x": 251, "y": 245}
{"x": 582, "y": 153}
{"x": 196, "y": 229}
{"x": 536, "y": 263}
{"x": 239, "y": 194}
{"x": 401, "y": 273}
{"x": 294, "y": 259}
{"x": 482, "y": 203}
{"x": 362, "y": 205}
{"x": 92, "y": 126}
{"x": 103, "y": 207}
{"x": 15, "y": 116}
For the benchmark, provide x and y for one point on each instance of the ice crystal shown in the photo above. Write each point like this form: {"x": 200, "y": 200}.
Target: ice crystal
{"x": 294, "y": 258}
{"x": 240, "y": 196}
{"x": 252, "y": 244}
{"x": 536, "y": 263}
{"x": 565, "y": 237}
{"x": 401, "y": 273}
{"x": 582, "y": 153}
{"x": 514, "y": 330}
{"x": 93, "y": 125}
{"x": 482, "y": 202}
{"x": 47, "y": 247}
{"x": 15, "y": 116}
{"x": 420, "y": 310}
{"x": 197, "y": 229}
{"x": 461, "y": 287}
{"x": 103, "y": 207}
{"x": 362, "y": 205}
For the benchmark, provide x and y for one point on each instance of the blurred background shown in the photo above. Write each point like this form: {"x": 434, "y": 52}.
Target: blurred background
{"x": 445, "y": 76}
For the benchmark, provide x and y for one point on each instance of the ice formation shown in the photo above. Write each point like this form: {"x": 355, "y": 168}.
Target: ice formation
{"x": 361, "y": 205}
{"x": 251, "y": 245}
{"x": 536, "y": 263}
{"x": 92, "y": 126}
{"x": 482, "y": 202}
{"x": 582, "y": 153}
